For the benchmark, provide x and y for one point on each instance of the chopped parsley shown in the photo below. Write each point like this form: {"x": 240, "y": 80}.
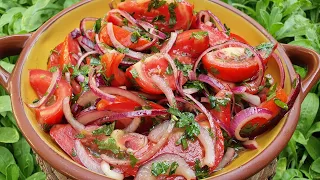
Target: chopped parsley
{"x": 135, "y": 36}
{"x": 134, "y": 73}
{"x": 195, "y": 84}
{"x": 199, "y": 35}
{"x": 125, "y": 22}
{"x": 154, "y": 49}
{"x": 272, "y": 92}
{"x": 185, "y": 68}
{"x": 201, "y": 172}
{"x": 228, "y": 29}
{"x": 155, "y": 4}
{"x": 53, "y": 69}
{"x": 173, "y": 18}
{"x": 169, "y": 70}
{"x": 185, "y": 120}
{"x": 123, "y": 50}
{"x": 108, "y": 144}
{"x": 73, "y": 153}
{"x": 105, "y": 129}
{"x": 266, "y": 48}
{"x": 133, "y": 160}
{"x": 160, "y": 18}
{"x": 281, "y": 104}
{"x": 80, "y": 136}
{"x": 97, "y": 26}
{"x": 163, "y": 167}
{"x": 95, "y": 61}
{"x": 214, "y": 71}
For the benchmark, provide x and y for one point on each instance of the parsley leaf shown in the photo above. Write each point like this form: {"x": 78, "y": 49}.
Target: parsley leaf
{"x": 108, "y": 144}
{"x": 272, "y": 92}
{"x": 199, "y": 35}
{"x": 155, "y": 4}
{"x": 159, "y": 168}
{"x": 154, "y": 49}
{"x": 195, "y": 84}
{"x": 123, "y": 50}
{"x": 105, "y": 129}
{"x": 134, "y": 73}
{"x": 160, "y": 18}
{"x": 133, "y": 160}
{"x": 281, "y": 104}
{"x": 173, "y": 18}
{"x": 125, "y": 21}
{"x": 97, "y": 26}
{"x": 201, "y": 172}
{"x": 185, "y": 68}
{"x": 135, "y": 36}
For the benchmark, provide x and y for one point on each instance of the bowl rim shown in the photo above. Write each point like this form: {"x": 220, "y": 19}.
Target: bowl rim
{"x": 77, "y": 172}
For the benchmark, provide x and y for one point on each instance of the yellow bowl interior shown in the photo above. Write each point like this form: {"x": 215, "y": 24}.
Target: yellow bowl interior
{"x": 38, "y": 55}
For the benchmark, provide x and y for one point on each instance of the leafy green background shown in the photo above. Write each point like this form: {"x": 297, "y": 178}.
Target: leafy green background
{"x": 289, "y": 21}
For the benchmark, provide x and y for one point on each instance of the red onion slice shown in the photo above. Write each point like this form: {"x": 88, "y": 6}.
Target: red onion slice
{"x": 83, "y": 25}
{"x": 84, "y": 56}
{"x": 67, "y": 75}
{"x": 162, "y": 85}
{"x": 158, "y": 131}
{"x": 250, "y": 98}
{"x": 182, "y": 170}
{"x": 133, "y": 126}
{"x": 90, "y": 96}
{"x": 123, "y": 115}
{"x": 105, "y": 167}
{"x": 147, "y": 96}
{"x": 56, "y": 76}
{"x": 86, "y": 159}
{"x": 250, "y": 144}
{"x": 98, "y": 92}
{"x": 207, "y": 14}
{"x": 148, "y": 45}
{"x": 75, "y": 33}
{"x": 281, "y": 68}
{"x": 227, "y": 158}
{"x": 68, "y": 115}
{"x": 143, "y": 154}
{"x": 151, "y": 29}
{"x": 190, "y": 90}
{"x": 212, "y": 81}
{"x": 117, "y": 44}
{"x": 171, "y": 41}
{"x": 100, "y": 46}
{"x": 87, "y": 116}
{"x": 239, "y": 89}
{"x": 208, "y": 144}
{"x": 125, "y": 15}
{"x": 246, "y": 115}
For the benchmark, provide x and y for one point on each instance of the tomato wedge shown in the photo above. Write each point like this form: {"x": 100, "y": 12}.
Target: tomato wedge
{"x": 54, "y": 57}
{"x": 124, "y": 37}
{"x": 169, "y": 16}
{"x": 111, "y": 62}
{"x": 215, "y": 35}
{"x": 141, "y": 72}
{"x": 258, "y": 123}
{"x": 70, "y": 46}
{"x": 49, "y": 114}
{"x": 230, "y": 64}
{"x": 190, "y": 43}
{"x": 222, "y": 112}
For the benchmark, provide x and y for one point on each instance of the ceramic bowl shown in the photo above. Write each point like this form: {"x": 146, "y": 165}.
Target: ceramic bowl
{"x": 35, "y": 49}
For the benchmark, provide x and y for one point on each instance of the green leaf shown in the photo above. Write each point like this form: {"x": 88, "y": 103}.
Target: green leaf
{"x": 133, "y": 160}
{"x": 313, "y": 147}
{"x": 314, "y": 128}
{"x": 291, "y": 173}
{"x": 37, "y": 176}
{"x": 299, "y": 137}
{"x": 201, "y": 172}
{"x": 105, "y": 129}
{"x": 68, "y": 3}
{"x": 315, "y": 166}
{"x": 8, "y": 135}
{"x": 12, "y": 172}
{"x": 158, "y": 168}
{"x": 6, "y": 159}
{"x": 7, "y": 66}
{"x": 108, "y": 144}
{"x": 5, "y": 103}
{"x": 308, "y": 112}
{"x": 281, "y": 168}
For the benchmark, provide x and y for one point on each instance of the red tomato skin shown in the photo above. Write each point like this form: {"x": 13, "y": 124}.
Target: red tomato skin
{"x": 183, "y": 12}
{"x": 64, "y": 136}
{"x": 123, "y": 36}
{"x": 238, "y": 38}
{"x": 111, "y": 62}
{"x": 229, "y": 70}
{"x": 224, "y": 112}
{"x": 40, "y": 81}
{"x": 70, "y": 46}
{"x": 215, "y": 35}
{"x": 54, "y": 57}
{"x": 114, "y": 19}
{"x": 187, "y": 45}
{"x": 141, "y": 72}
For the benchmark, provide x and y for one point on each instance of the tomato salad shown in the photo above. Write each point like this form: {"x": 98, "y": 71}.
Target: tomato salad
{"x": 156, "y": 90}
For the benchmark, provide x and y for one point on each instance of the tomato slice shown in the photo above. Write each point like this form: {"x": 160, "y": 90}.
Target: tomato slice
{"x": 123, "y": 36}
{"x": 64, "y": 135}
{"x": 238, "y": 38}
{"x": 115, "y": 19}
{"x": 190, "y": 43}
{"x": 121, "y": 104}
{"x": 53, "y": 113}
{"x": 54, "y": 57}
{"x": 230, "y": 64}
{"x": 70, "y": 46}
{"x": 223, "y": 113}
{"x": 257, "y": 123}
{"x": 111, "y": 62}
{"x": 215, "y": 35}
{"x": 182, "y": 13}
{"x": 141, "y": 72}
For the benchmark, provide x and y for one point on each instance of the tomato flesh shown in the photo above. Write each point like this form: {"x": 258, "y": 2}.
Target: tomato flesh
{"x": 40, "y": 81}
{"x": 111, "y": 62}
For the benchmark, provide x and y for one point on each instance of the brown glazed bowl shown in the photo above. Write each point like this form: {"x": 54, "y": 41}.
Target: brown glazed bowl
{"x": 35, "y": 49}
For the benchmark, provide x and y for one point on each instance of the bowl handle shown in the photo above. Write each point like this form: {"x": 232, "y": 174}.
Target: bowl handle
{"x": 9, "y": 46}
{"x": 307, "y": 58}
